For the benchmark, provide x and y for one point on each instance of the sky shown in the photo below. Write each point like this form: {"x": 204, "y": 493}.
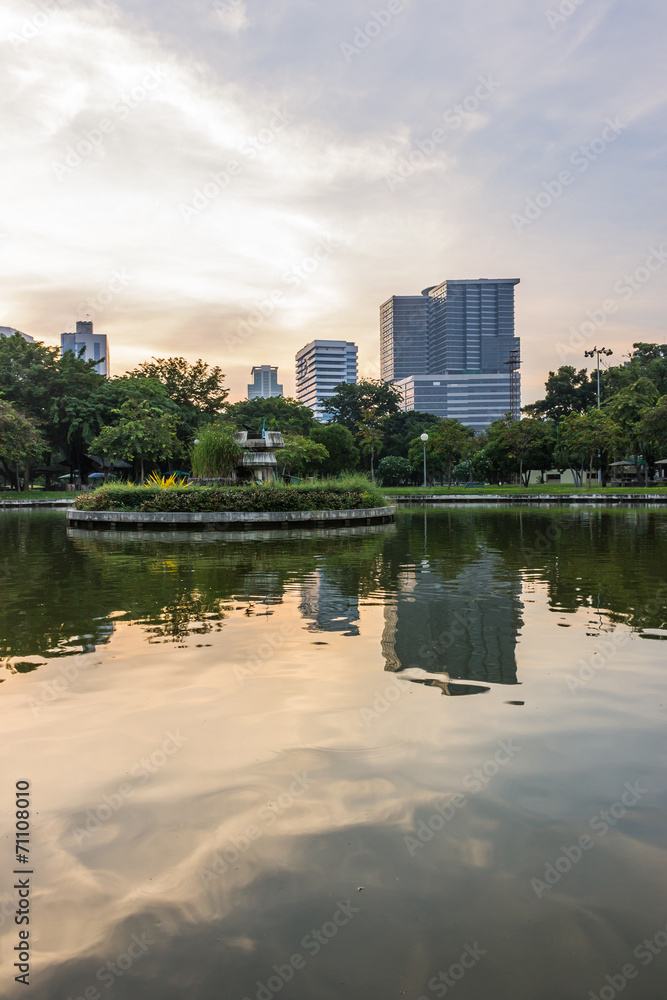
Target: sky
{"x": 232, "y": 179}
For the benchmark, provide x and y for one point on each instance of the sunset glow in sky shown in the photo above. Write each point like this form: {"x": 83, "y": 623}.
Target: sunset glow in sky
{"x": 230, "y": 180}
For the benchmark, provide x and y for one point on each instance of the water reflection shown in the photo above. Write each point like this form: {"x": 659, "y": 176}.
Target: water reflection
{"x": 229, "y": 739}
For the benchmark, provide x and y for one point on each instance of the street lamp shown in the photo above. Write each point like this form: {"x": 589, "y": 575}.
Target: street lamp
{"x": 591, "y": 354}
{"x": 424, "y": 438}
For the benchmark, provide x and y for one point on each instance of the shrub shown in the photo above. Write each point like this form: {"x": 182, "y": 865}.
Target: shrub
{"x": 353, "y": 493}
{"x": 216, "y": 454}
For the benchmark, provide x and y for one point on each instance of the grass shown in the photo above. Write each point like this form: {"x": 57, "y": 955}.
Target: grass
{"x": 37, "y": 495}
{"x": 554, "y": 489}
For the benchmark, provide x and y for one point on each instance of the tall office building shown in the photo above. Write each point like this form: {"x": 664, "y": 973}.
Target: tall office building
{"x": 320, "y": 367}
{"x": 452, "y": 350}
{"x": 95, "y": 345}
{"x": 265, "y": 383}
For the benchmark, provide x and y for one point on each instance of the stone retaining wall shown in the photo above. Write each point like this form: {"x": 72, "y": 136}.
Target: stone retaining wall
{"x": 228, "y": 520}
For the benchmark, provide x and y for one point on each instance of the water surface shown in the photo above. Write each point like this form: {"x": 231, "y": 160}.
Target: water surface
{"x": 357, "y": 764}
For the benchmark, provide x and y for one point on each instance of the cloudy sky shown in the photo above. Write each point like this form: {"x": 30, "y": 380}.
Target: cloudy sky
{"x": 231, "y": 179}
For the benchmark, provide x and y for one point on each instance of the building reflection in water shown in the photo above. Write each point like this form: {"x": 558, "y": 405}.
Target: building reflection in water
{"x": 460, "y": 629}
{"x": 326, "y": 608}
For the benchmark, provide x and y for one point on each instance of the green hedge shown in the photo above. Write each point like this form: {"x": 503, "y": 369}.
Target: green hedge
{"x": 245, "y": 498}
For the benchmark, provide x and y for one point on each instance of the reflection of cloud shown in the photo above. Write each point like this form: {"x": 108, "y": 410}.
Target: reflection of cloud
{"x": 230, "y": 15}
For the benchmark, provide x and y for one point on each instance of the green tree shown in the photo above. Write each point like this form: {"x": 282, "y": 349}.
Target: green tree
{"x": 527, "y": 443}
{"x": 302, "y": 456}
{"x": 447, "y": 443}
{"x": 402, "y": 428}
{"x": 216, "y": 453}
{"x": 351, "y": 400}
{"x": 393, "y": 470}
{"x": 279, "y": 413}
{"x": 20, "y": 443}
{"x": 142, "y": 431}
{"x": 654, "y": 427}
{"x": 198, "y": 386}
{"x": 339, "y": 442}
{"x": 567, "y": 391}
{"x": 584, "y": 437}
{"x": 627, "y": 409}
{"x": 370, "y": 433}
{"x": 645, "y": 361}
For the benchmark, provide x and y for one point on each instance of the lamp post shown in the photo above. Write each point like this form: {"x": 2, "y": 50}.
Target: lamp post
{"x": 591, "y": 354}
{"x": 424, "y": 438}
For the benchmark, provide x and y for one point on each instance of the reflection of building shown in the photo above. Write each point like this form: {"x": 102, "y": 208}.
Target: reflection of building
{"x": 95, "y": 346}
{"x": 452, "y": 350}
{"x": 265, "y": 383}
{"x": 320, "y": 367}
{"x": 326, "y": 608}
{"x": 464, "y": 628}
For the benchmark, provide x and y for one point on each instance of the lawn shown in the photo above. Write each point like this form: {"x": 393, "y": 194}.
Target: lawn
{"x": 551, "y": 489}
{"x": 37, "y": 495}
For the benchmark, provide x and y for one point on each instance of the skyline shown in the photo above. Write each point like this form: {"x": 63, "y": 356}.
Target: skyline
{"x": 183, "y": 167}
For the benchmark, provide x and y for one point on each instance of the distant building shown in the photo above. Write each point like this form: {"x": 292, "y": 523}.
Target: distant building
{"x": 9, "y": 331}
{"x": 452, "y": 350}
{"x": 265, "y": 383}
{"x": 95, "y": 345}
{"x": 320, "y": 366}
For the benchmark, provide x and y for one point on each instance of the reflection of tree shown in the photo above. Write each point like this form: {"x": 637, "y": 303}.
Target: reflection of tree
{"x": 58, "y": 593}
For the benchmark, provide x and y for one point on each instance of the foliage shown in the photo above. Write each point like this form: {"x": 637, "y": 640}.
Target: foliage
{"x": 646, "y": 361}
{"x": 20, "y": 438}
{"x": 654, "y": 427}
{"x": 448, "y": 442}
{"x": 278, "y": 413}
{"x": 583, "y": 437}
{"x": 370, "y": 432}
{"x": 302, "y": 456}
{"x": 217, "y": 453}
{"x": 329, "y": 495}
{"x": 394, "y": 470}
{"x": 339, "y": 442}
{"x": 197, "y": 385}
{"x": 402, "y": 428}
{"x": 567, "y": 391}
{"x": 172, "y": 482}
{"x": 142, "y": 431}
{"x": 351, "y": 400}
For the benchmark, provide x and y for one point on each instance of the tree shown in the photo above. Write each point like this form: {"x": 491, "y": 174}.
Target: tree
{"x": 339, "y": 442}
{"x": 302, "y": 456}
{"x": 402, "y": 428}
{"x": 350, "y": 400}
{"x": 528, "y": 443}
{"x": 20, "y": 442}
{"x": 567, "y": 391}
{"x": 646, "y": 361}
{"x": 654, "y": 427}
{"x": 584, "y": 437}
{"x": 627, "y": 409}
{"x": 370, "y": 433}
{"x": 394, "y": 470}
{"x": 198, "y": 386}
{"x": 278, "y": 413}
{"x": 142, "y": 431}
{"x": 216, "y": 453}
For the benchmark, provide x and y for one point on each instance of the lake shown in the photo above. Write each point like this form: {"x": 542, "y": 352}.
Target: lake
{"x": 412, "y": 760}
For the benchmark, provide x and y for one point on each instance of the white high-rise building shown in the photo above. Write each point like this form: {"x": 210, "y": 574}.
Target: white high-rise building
{"x": 95, "y": 345}
{"x": 265, "y": 383}
{"x": 9, "y": 331}
{"x": 320, "y": 366}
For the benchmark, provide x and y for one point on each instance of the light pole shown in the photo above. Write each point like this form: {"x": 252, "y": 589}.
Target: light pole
{"x": 591, "y": 354}
{"x": 424, "y": 438}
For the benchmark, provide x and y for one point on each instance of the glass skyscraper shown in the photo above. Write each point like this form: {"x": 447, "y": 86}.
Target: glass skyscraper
{"x": 320, "y": 367}
{"x": 265, "y": 383}
{"x": 452, "y": 349}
